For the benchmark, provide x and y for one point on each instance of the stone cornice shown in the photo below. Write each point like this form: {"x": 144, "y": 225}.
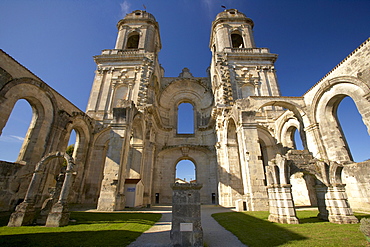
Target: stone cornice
{"x": 250, "y": 54}
{"x": 115, "y": 55}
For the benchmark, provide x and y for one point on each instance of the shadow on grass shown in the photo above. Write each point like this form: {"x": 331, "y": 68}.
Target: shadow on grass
{"x": 254, "y": 231}
{"x": 87, "y": 229}
{"x": 80, "y": 218}
{"x": 4, "y": 218}
{"x": 83, "y": 238}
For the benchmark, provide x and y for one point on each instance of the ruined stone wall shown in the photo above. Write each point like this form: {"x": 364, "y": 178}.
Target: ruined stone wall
{"x": 171, "y": 146}
{"x": 54, "y": 117}
{"x": 356, "y": 177}
{"x": 8, "y": 188}
{"x": 349, "y": 78}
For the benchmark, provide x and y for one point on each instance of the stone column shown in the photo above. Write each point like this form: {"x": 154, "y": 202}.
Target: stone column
{"x": 59, "y": 213}
{"x": 321, "y": 191}
{"x": 280, "y": 192}
{"x": 337, "y": 205}
{"x": 186, "y": 220}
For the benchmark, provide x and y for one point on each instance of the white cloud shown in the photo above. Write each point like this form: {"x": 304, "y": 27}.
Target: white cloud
{"x": 18, "y": 138}
{"x": 125, "y": 8}
{"x": 11, "y": 138}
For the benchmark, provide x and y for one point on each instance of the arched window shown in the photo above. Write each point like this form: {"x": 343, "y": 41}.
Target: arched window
{"x": 133, "y": 41}
{"x": 72, "y": 144}
{"x": 298, "y": 140}
{"x": 237, "y": 40}
{"x": 185, "y": 172}
{"x": 14, "y": 133}
{"x": 185, "y": 119}
{"x": 354, "y": 130}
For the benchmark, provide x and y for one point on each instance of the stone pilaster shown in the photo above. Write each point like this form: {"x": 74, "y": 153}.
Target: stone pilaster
{"x": 254, "y": 166}
{"x": 109, "y": 197}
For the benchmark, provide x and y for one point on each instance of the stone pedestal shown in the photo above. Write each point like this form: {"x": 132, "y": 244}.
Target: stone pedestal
{"x": 45, "y": 210}
{"x": 186, "y": 220}
{"x": 337, "y": 204}
{"x": 58, "y": 216}
{"x": 281, "y": 204}
{"x": 24, "y": 215}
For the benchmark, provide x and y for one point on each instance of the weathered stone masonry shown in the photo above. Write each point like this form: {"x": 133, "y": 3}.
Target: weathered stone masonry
{"x": 241, "y": 122}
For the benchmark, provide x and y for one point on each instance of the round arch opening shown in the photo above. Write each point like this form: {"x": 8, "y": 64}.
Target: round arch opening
{"x": 16, "y": 130}
{"x": 185, "y": 172}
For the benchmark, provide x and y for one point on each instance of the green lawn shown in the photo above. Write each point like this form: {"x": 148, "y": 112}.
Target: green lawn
{"x": 90, "y": 229}
{"x": 253, "y": 229}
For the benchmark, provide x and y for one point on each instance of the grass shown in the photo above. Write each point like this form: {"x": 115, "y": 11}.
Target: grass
{"x": 90, "y": 229}
{"x": 253, "y": 229}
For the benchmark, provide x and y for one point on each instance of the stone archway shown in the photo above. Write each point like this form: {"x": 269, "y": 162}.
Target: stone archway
{"x": 43, "y": 115}
{"x": 164, "y": 174}
{"x": 325, "y": 114}
{"x": 331, "y": 194}
{"x": 59, "y": 216}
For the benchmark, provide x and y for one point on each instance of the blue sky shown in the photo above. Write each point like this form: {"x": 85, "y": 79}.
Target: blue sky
{"x": 57, "y": 39}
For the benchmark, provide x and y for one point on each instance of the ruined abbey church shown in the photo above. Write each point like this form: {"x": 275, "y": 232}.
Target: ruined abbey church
{"x": 242, "y": 143}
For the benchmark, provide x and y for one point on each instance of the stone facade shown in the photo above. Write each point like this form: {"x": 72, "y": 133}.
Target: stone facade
{"x": 130, "y": 128}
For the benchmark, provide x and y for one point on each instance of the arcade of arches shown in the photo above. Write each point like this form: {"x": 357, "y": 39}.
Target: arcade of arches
{"x": 241, "y": 141}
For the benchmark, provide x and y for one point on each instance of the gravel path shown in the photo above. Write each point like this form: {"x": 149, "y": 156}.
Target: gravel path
{"x": 214, "y": 235}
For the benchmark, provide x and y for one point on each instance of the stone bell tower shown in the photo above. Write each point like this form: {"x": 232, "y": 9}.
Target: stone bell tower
{"x": 238, "y": 70}
{"x": 123, "y": 86}
{"x": 123, "y": 73}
